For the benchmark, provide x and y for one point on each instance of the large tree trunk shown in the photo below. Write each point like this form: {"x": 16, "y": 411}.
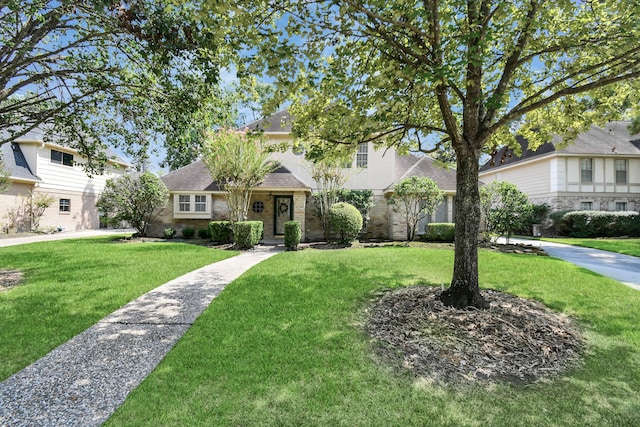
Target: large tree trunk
{"x": 464, "y": 290}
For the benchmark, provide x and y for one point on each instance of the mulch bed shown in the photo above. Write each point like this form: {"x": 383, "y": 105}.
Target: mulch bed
{"x": 10, "y": 279}
{"x": 516, "y": 341}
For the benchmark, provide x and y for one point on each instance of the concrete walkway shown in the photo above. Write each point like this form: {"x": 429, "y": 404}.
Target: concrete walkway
{"x": 623, "y": 268}
{"x": 82, "y": 382}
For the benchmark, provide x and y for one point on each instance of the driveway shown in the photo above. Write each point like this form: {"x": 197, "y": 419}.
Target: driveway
{"x": 13, "y": 241}
{"x": 623, "y": 268}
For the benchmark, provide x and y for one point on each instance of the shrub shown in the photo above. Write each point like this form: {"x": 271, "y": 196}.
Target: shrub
{"x": 559, "y": 224}
{"x": 292, "y": 235}
{"x": 601, "y": 223}
{"x": 188, "y": 232}
{"x": 440, "y": 232}
{"x": 247, "y": 234}
{"x": 169, "y": 232}
{"x": 346, "y": 220}
{"x": 221, "y": 231}
{"x": 204, "y": 233}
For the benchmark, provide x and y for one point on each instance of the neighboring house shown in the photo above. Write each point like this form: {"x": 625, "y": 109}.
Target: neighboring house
{"x": 36, "y": 166}
{"x": 599, "y": 171}
{"x": 286, "y": 194}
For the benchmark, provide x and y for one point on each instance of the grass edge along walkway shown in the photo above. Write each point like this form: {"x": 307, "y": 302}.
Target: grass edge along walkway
{"x": 282, "y": 346}
{"x": 83, "y": 381}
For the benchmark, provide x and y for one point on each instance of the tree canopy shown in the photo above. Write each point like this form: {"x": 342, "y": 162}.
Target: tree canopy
{"x": 134, "y": 198}
{"x": 103, "y": 71}
{"x": 416, "y": 197}
{"x": 422, "y": 74}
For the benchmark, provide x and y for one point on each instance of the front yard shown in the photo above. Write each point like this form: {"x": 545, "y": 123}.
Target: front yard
{"x": 284, "y": 345}
{"x": 623, "y": 246}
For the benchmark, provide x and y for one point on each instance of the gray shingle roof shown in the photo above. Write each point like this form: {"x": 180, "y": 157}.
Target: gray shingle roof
{"x": 427, "y": 167}
{"x": 612, "y": 139}
{"x": 278, "y": 122}
{"x": 196, "y": 177}
{"x": 15, "y": 162}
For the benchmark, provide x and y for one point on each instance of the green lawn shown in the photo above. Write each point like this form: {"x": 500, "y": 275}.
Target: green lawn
{"x": 281, "y": 346}
{"x": 623, "y": 246}
{"x": 71, "y": 284}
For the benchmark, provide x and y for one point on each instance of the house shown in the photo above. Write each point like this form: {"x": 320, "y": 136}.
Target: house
{"x": 286, "y": 193}
{"x": 36, "y": 166}
{"x": 599, "y": 171}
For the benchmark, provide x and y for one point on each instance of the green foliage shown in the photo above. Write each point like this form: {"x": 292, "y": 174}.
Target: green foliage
{"x": 506, "y": 209}
{"x": 415, "y": 197}
{"x": 292, "y": 235}
{"x": 330, "y": 176}
{"x": 169, "y": 232}
{"x": 600, "y": 224}
{"x": 221, "y": 231}
{"x": 204, "y": 233}
{"x": 346, "y": 220}
{"x": 101, "y": 73}
{"x": 537, "y": 215}
{"x": 134, "y": 198}
{"x": 419, "y": 75}
{"x": 361, "y": 199}
{"x": 440, "y": 232}
{"x": 247, "y": 234}
{"x": 238, "y": 162}
{"x": 558, "y": 225}
{"x": 286, "y": 334}
{"x": 4, "y": 177}
{"x": 188, "y": 232}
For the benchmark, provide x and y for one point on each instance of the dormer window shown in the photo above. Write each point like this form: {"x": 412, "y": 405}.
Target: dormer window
{"x": 61, "y": 158}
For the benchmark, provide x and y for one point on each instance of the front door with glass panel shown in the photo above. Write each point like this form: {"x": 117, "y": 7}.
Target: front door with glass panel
{"x": 283, "y": 211}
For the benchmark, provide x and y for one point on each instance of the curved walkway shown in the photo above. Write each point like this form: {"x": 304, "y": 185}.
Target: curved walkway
{"x": 82, "y": 382}
{"x": 623, "y": 268}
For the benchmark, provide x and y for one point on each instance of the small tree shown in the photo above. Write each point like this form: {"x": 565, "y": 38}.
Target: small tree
{"x": 135, "y": 198}
{"x": 416, "y": 197}
{"x": 34, "y": 206}
{"x": 4, "y": 177}
{"x": 505, "y": 208}
{"x": 238, "y": 162}
{"x": 330, "y": 176}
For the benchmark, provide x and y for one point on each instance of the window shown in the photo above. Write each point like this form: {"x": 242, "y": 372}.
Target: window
{"x": 192, "y": 206}
{"x": 586, "y": 171}
{"x": 201, "y": 203}
{"x": 184, "y": 203}
{"x": 586, "y": 206}
{"x": 61, "y": 158}
{"x": 621, "y": 206}
{"x": 258, "y": 206}
{"x": 362, "y": 156}
{"x": 621, "y": 171}
{"x": 65, "y": 206}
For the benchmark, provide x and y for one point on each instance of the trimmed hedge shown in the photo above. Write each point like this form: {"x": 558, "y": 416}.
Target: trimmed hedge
{"x": 440, "y": 232}
{"x": 292, "y": 235}
{"x": 346, "y": 220}
{"x": 221, "y": 231}
{"x": 248, "y": 233}
{"x": 599, "y": 224}
{"x": 188, "y": 232}
{"x": 204, "y": 233}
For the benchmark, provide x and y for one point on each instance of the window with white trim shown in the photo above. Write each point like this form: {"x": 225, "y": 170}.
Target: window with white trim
{"x": 184, "y": 203}
{"x": 200, "y": 203}
{"x": 621, "y": 171}
{"x": 586, "y": 206}
{"x": 586, "y": 171}
{"x": 621, "y": 206}
{"x": 61, "y": 158}
{"x": 362, "y": 156}
{"x": 192, "y": 205}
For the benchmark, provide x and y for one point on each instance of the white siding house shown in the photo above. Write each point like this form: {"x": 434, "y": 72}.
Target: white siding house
{"x": 36, "y": 166}
{"x": 599, "y": 171}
